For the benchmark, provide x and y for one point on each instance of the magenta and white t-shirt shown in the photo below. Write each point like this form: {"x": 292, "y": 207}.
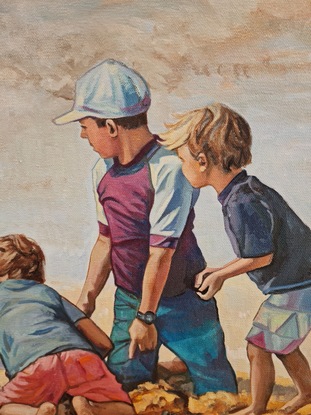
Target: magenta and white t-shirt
{"x": 147, "y": 202}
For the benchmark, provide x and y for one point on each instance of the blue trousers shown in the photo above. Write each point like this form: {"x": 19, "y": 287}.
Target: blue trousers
{"x": 186, "y": 325}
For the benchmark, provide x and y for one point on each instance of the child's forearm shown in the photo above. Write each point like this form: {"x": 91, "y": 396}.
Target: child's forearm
{"x": 97, "y": 275}
{"x": 229, "y": 263}
{"x": 242, "y": 265}
{"x": 212, "y": 283}
{"x": 95, "y": 336}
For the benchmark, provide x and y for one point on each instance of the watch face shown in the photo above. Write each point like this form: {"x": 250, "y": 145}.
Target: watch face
{"x": 149, "y": 317}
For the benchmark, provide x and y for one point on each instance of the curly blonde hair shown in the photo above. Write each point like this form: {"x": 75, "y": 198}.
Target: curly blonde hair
{"x": 21, "y": 258}
{"x": 220, "y": 133}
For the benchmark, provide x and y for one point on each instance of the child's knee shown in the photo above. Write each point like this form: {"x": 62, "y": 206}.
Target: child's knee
{"x": 288, "y": 357}
{"x": 255, "y": 352}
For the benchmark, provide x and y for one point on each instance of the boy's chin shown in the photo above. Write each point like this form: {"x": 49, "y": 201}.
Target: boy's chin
{"x": 197, "y": 185}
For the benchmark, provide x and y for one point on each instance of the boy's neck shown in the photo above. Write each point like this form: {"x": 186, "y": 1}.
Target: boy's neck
{"x": 219, "y": 179}
{"x": 132, "y": 142}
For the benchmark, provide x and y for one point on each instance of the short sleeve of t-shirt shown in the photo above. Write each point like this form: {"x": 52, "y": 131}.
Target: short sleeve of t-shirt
{"x": 250, "y": 227}
{"x": 73, "y": 312}
{"x": 173, "y": 199}
{"x": 98, "y": 173}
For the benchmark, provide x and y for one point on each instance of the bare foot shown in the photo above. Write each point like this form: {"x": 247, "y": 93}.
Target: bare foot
{"x": 296, "y": 403}
{"x": 82, "y": 406}
{"x": 250, "y": 411}
{"x": 46, "y": 408}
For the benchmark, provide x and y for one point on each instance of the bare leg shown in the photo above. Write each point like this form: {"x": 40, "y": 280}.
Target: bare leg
{"x": 46, "y": 408}
{"x": 262, "y": 380}
{"x": 298, "y": 369}
{"x": 84, "y": 407}
{"x": 175, "y": 366}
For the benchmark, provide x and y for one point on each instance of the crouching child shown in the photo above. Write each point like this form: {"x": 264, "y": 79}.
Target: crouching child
{"x": 47, "y": 345}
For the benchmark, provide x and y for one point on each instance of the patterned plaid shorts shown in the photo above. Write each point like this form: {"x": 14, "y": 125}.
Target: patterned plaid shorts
{"x": 283, "y": 322}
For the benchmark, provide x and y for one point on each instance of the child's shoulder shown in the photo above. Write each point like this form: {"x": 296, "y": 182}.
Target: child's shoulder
{"x": 48, "y": 291}
{"x": 22, "y": 291}
{"x": 21, "y": 285}
{"x": 249, "y": 189}
{"x": 161, "y": 154}
{"x": 252, "y": 192}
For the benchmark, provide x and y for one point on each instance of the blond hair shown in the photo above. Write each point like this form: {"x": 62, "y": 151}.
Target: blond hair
{"x": 217, "y": 131}
{"x": 21, "y": 258}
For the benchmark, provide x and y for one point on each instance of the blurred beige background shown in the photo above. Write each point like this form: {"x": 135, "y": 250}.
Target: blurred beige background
{"x": 253, "y": 55}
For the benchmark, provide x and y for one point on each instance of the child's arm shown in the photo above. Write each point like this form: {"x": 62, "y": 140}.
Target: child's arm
{"x": 215, "y": 280}
{"x": 200, "y": 277}
{"x": 95, "y": 335}
{"x": 97, "y": 275}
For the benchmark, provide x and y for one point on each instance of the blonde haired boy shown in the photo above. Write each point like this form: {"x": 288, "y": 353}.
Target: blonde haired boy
{"x": 272, "y": 245}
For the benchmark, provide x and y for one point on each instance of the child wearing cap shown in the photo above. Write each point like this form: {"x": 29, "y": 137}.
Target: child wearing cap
{"x": 47, "y": 345}
{"x": 272, "y": 244}
{"x": 145, "y": 212}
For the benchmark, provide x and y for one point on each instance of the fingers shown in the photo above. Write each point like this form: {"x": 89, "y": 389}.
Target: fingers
{"x": 132, "y": 348}
{"x": 143, "y": 347}
{"x": 149, "y": 342}
{"x": 152, "y": 344}
{"x": 201, "y": 281}
{"x": 198, "y": 279}
{"x": 146, "y": 343}
{"x": 204, "y": 286}
{"x": 208, "y": 290}
{"x": 86, "y": 307}
{"x": 88, "y": 311}
{"x": 205, "y": 296}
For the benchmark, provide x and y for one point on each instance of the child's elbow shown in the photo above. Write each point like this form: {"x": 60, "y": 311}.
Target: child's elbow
{"x": 110, "y": 346}
{"x": 270, "y": 258}
{"x": 107, "y": 345}
{"x": 106, "y": 348}
{"x": 266, "y": 260}
{"x": 261, "y": 262}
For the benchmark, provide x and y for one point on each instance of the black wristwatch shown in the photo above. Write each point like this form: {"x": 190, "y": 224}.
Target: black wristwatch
{"x": 148, "y": 317}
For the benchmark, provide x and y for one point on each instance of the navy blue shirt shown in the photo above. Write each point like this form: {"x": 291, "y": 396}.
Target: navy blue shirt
{"x": 35, "y": 321}
{"x": 258, "y": 222}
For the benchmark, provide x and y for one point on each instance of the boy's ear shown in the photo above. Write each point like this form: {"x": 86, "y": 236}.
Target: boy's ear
{"x": 112, "y": 128}
{"x": 202, "y": 160}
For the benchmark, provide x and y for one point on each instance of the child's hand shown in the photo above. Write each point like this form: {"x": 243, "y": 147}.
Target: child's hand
{"x": 201, "y": 276}
{"x": 210, "y": 285}
{"x": 86, "y": 304}
{"x": 143, "y": 336}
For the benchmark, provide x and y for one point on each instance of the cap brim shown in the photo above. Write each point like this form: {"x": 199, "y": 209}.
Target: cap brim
{"x": 71, "y": 116}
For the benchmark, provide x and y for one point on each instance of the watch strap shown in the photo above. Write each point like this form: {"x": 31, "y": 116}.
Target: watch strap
{"x": 148, "y": 317}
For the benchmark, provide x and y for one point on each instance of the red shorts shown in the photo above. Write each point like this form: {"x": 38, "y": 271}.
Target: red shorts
{"x": 76, "y": 372}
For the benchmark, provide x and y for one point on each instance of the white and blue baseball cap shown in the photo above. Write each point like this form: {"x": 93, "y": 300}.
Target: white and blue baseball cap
{"x": 108, "y": 90}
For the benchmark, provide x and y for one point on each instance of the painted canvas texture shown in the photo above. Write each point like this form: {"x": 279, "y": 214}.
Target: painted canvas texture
{"x": 253, "y": 56}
